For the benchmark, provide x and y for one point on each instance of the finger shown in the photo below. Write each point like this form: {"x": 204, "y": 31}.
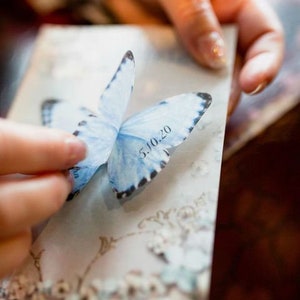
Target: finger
{"x": 26, "y": 202}
{"x": 235, "y": 92}
{"x": 261, "y": 40}
{"x": 29, "y": 149}
{"x": 13, "y": 251}
{"x": 262, "y": 45}
{"x": 199, "y": 30}
{"x": 262, "y": 63}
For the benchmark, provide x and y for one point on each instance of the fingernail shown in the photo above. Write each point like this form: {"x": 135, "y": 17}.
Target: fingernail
{"x": 258, "y": 89}
{"x": 76, "y": 150}
{"x": 212, "y": 48}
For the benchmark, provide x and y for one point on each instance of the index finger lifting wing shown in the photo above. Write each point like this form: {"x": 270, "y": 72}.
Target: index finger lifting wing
{"x": 29, "y": 149}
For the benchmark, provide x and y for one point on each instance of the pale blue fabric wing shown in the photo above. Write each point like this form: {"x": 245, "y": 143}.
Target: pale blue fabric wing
{"x": 98, "y": 136}
{"x": 63, "y": 114}
{"x": 114, "y": 100}
{"x": 99, "y": 131}
{"x": 141, "y": 148}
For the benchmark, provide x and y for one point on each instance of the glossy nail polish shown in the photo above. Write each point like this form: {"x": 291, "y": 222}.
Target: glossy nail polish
{"x": 212, "y": 49}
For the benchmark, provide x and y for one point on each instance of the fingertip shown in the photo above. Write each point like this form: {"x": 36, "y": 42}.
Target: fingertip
{"x": 70, "y": 179}
{"x": 263, "y": 60}
{"x": 257, "y": 73}
{"x": 60, "y": 185}
{"x": 75, "y": 150}
{"x": 210, "y": 50}
{"x": 32, "y": 149}
{"x": 199, "y": 29}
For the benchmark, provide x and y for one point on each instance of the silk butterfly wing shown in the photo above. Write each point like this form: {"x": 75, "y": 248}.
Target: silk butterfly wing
{"x": 141, "y": 148}
{"x": 114, "y": 100}
{"x": 54, "y": 115}
{"x": 98, "y": 131}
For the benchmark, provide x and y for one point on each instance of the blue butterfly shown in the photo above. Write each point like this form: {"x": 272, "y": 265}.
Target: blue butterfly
{"x": 136, "y": 150}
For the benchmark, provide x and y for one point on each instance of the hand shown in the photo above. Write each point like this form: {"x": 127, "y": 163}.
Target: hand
{"x": 25, "y": 200}
{"x": 260, "y": 38}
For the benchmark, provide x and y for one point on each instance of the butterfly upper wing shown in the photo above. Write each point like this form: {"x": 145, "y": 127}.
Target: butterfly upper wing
{"x": 141, "y": 148}
{"x": 114, "y": 100}
{"x": 99, "y": 131}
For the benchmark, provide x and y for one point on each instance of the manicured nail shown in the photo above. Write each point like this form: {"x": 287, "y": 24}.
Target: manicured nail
{"x": 212, "y": 48}
{"x": 76, "y": 150}
{"x": 258, "y": 89}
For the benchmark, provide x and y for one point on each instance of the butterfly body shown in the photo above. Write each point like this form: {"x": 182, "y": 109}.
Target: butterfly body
{"x": 136, "y": 150}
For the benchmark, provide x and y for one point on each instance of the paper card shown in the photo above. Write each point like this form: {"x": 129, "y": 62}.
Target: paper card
{"x": 160, "y": 242}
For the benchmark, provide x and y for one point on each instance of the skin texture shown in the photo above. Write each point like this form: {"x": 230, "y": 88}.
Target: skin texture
{"x": 42, "y": 154}
{"x": 197, "y": 22}
{"x": 26, "y": 199}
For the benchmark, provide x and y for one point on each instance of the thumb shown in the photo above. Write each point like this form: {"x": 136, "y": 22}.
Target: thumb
{"x": 199, "y": 30}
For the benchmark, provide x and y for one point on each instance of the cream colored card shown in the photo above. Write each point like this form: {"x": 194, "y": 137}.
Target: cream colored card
{"x": 159, "y": 243}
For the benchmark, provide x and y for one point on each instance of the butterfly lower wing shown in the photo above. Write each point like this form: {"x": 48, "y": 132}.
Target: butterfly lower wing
{"x": 141, "y": 148}
{"x": 127, "y": 171}
{"x": 99, "y": 138}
